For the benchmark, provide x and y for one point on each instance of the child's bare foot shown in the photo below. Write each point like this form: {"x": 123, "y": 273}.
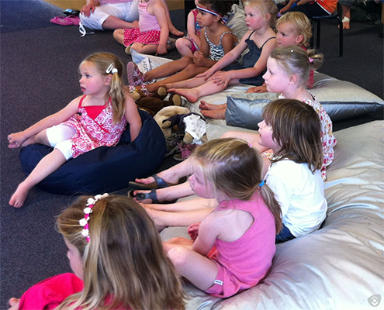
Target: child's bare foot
{"x": 190, "y": 94}
{"x": 209, "y": 106}
{"x": 215, "y": 114}
{"x": 14, "y": 303}
{"x": 19, "y": 196}
{"x": 175, "y": 32}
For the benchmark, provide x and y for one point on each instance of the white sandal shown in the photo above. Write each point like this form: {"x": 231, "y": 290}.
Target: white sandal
{"x": 346, "y": 20}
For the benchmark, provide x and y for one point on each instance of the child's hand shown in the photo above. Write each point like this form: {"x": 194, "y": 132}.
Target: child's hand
{"x": 16, "y": 139}
{"x": 161, "y": 50}
{"x": 199, "y": 59}
{"x": 193, "y": 231}
{"x": 206, "y": 75}
{"x": 14, "y": 303}
{"x": 87, "y": 10}
{"x": 221, "y": 78}
{"x": 135, "y": 24}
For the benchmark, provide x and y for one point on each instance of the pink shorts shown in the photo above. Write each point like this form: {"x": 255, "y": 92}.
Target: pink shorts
{"x": 223, "y": 286}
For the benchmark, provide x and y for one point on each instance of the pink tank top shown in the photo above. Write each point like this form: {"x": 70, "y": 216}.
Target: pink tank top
{"x": 147, "y": 21}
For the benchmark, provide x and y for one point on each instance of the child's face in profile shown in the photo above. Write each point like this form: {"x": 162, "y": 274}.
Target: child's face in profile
{"x": 287, "y": 34}
{"x": 276, "y": 79}
{"x": 254, "y": 19}
{"x": 200, "y": 186}
{"x": 75, "y": 260}
{"x": 265, "y": 137}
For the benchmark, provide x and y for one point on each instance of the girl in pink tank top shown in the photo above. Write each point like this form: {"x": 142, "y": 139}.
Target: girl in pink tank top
{"x": 151, "y": 35}
{"x": 235, "y": 243}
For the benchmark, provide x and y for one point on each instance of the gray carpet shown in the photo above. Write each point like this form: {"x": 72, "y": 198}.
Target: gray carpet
{"x": 39, "y": 64}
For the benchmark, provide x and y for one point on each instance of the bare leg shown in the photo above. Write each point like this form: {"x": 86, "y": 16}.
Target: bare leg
{"x": 118, "y": 34}
{"x": 209, "y": 106}
{"x": 171, "y": 175}
{"x": 168, "y": 68}
{"x": 145, "y": 48}
{"x": 112, "y": 22}
{"x": 215, "y": 111}
{"x": 347, "y": 14}
{"x": 214, "y": 114}
{"x": 189, "y": 72}
{"x": 198, "y": 269}
{"x": 193, "y": 94}
{"x": 190, "y": 83}
{"x": 172, "y": 28}
{"x": 45, "y": 167}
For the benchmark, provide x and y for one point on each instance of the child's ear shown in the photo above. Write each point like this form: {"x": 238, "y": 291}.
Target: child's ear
{"x": 299, "y": 40}
{"x": 267, "y": 17}
{"x": 293, "y": 79}
{"x": 108, "y": 79}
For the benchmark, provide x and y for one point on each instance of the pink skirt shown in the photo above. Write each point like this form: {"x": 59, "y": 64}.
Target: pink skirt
{"x": 134, "y": 35}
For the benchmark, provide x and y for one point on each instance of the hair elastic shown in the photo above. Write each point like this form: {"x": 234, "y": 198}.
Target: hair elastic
{"x": 111, "y": 69}
{"x": 211, "y": 12}
{"x": 87, "y": 211}
{"x": 310, "y": 59}
{"x": 262, "y": 183}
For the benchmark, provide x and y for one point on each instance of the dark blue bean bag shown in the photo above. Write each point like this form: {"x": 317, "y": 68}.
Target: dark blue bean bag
{"x": 104, "y": 169}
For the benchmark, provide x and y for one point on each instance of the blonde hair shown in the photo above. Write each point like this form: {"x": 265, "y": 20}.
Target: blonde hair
{"x": 102, "y": 62}
{"x": 124, "y": 258}
{"x": 234, "y": 169}
{"x": 265, "y": 7}
{"x": 301, "y": 23}
{"x": 297, "y": 129}
{"x": 295, "y": 60}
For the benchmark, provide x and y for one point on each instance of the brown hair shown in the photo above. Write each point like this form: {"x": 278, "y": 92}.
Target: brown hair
{"x": 102, "y": 62}
{"x": 295, "y": 60}
{"x": 124, "y": 258}
{"x": 301, "y": 23}
{"x": 234, "y": 169}
{"x": 296, "y": 128}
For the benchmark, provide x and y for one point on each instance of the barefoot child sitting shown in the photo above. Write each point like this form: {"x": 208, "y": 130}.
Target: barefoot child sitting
{"x": 216, "y": 40}
{"x": 221, "y": 261}
{"x": 260, "y": 40}
{"x": 152, "y": 35}
{"x": 108, "y": 240}
{"x": 98, "y": 118}
{"x": 293, "y": 28}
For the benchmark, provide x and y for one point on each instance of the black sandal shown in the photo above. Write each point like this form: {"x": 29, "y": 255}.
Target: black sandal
{"x": 142, "y": 196}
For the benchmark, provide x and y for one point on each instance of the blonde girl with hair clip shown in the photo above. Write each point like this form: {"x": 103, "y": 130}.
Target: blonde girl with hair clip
{"x": 117, "y": 258}
{"x": 221, "y": 261}
{"x": 260, "y": 16}
{"x": 293, "y": 28}
{"x": 97, "y": 118}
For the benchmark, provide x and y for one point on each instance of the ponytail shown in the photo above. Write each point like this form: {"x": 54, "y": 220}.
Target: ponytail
{"x": 272, "y": 204}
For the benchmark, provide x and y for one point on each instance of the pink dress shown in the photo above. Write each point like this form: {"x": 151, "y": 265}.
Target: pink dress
{"x": 148, "y": 31}
{"x": 245, "y": 262}
{"x": 92, "y": 133}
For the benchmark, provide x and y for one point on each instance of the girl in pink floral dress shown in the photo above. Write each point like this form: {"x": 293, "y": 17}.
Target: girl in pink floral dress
{"x": 98, "y": 118}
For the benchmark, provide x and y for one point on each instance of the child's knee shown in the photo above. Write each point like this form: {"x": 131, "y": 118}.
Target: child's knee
{"x": 178, "y": 255}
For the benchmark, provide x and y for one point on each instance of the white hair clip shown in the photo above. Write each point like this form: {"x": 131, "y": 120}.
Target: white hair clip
{"x": 111, "y": 69}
